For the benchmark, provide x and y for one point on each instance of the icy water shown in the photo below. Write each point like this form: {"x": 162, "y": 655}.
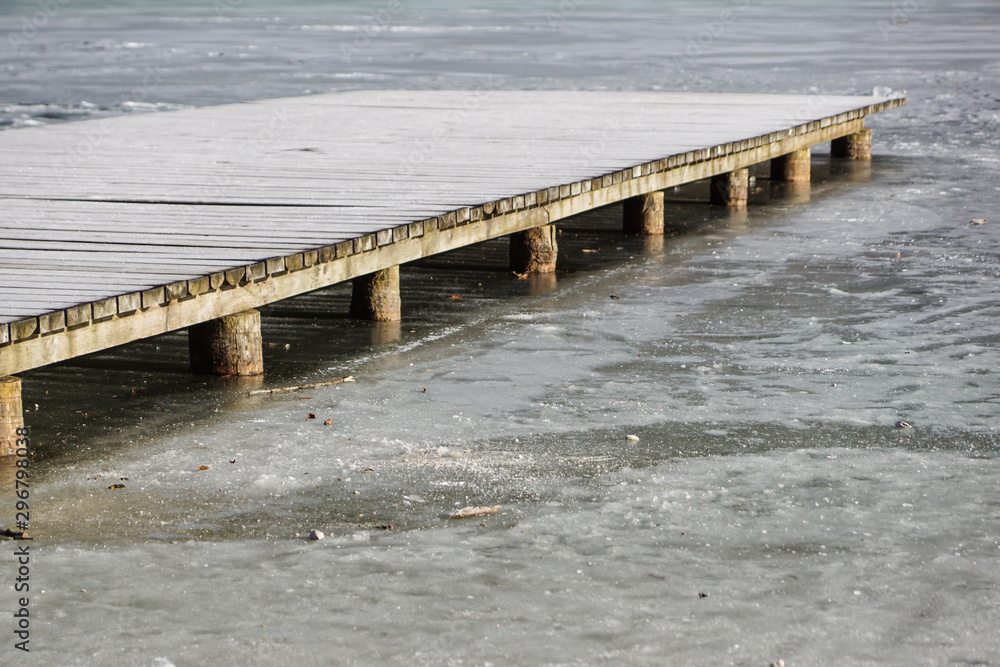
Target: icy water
{"x": 769, "y": 509}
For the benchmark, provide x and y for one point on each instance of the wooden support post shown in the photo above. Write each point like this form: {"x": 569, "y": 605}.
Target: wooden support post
{"x": 654, "y": 245}
{"x": 534, "y": 250}
{"x": 731, "y": 189}
{"x": 376, "y": 296}
{"x": 643, "y": 215}
{"x": 857, "y": 146}
{"x": 795, "y": 166}
{"x": 11, "y": 414}
{"x": 228, "y": 345}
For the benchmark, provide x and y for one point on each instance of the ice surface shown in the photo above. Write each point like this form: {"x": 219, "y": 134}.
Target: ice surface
{"x": 762, "y": 360}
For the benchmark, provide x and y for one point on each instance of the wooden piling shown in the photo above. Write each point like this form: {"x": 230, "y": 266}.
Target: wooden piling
{"x": 731, "y": 189}
{"x": 11, "y": 414}
{"x": 229, "y": 345}
{"x": 534, "y": 250}
{"x": 857, "y": 146}
{"x": 794, "y": 167}
{"x": 643, "y": 215}
{"x": 375, "y": 296}
{"x": 653, "y": 246}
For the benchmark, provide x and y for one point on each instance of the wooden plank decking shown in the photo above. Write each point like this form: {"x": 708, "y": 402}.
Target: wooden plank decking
{"x": 122, "y": 228}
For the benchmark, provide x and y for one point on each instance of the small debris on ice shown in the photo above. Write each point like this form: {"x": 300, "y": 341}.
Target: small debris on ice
{"x": 316, "y": 535}
{"x": 467, "y": 512}
{"x": 632, "y": 438}
{"x": 14, "y": 534}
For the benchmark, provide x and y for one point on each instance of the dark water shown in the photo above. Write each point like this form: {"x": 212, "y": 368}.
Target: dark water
{"x": 762, "y": 361}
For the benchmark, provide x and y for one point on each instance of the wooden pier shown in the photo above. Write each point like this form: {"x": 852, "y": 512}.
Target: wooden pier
{"x": 122, "y": 228}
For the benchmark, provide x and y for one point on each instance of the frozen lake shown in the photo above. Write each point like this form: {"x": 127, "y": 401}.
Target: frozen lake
{"x": 770, "y": 509}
